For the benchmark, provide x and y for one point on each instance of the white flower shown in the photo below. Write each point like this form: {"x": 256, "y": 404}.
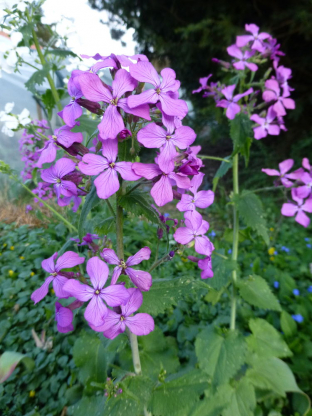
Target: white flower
{"x": 4, "y": 66}
{"x": 8, "y": 107}
{"x": 24, "y": 118}
{"x": 10, "y": 122}
{"x": 7, "y": 131}
{"x": 8, "y": 4}
{"x": 76, "y": 63}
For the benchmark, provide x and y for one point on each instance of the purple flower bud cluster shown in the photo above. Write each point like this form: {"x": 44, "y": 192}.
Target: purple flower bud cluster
{"x": 248, "y": 52}
{"x": 300, "y": 184}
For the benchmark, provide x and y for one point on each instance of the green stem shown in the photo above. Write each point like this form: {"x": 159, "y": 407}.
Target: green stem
{"x": 268, "y": 188}
{"x": 43, "y": 63}
{"x": 235, "y": 241}
{"x": 59, "y": 216}
{"x": 110, "y": 207}
{"x": 33, "y": 66}
{"x": 214, "y": 158}
{"x": 159, "y": 262}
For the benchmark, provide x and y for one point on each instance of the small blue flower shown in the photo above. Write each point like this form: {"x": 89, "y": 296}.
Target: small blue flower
{"x": 296, "y": 292}
{"x": 212, "y": 234}
{"x": 229, "y": 251}
{"x": 286, "y": 249}
{"x": 276, "y": 285}
{"x": 306, "y": 239}
{"x": 275, "y": 253}
{"x": 310, "y": 289}
{"x": 166, "y": 215}
{"x": 297, "y": 317}
{"x": 251, "y": 264}
{"x": 309, "y": 245}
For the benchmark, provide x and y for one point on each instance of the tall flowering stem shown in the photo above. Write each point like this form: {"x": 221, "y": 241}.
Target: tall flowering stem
{"x": 235, "y": 240}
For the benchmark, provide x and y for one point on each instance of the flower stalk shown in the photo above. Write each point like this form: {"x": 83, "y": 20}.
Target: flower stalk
{"x": 235, "y": 242}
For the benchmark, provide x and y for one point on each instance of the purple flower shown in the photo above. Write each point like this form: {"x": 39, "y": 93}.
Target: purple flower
{"x": 28, "y": 208}
{"x": 242, "y": 57}
{"x": 194, "y": 230}
{"x": 93, "y": 89}
{"x": 66, "y": 261}
{"x": 284, "y": 166}
{"x": 66, "y": 200}
{"x": 107, "y": 183}
{"x": 272, "y": 93}
{"x": 272, "y": 49}
{"x": 73, "y": 110}
{"x": 305, "y": 190}
{"x": 162, "y": 91}
{"x": 266, "y": 125}
{"x": 206, "y": 266}
{"x": 113, "y": 295}
{"x": 306, "y": 165}
{"x": 256, "y": 38}
{"x": 55, "y": 175}
{"x": 141, "y": 279}
{"x": 153, "y": 136}
{"x": 116, "y": 323}
{"x": 203, "y": 82}
{"x": 299, "y": 209}
{"x": 64, "y": 318}
{"x": 230, "y": 103}
{"x": 201, "y": 199}
{"x": 282, "y": 76}
{"x": 47, "y": 153}
{"x": 162, "y": 189}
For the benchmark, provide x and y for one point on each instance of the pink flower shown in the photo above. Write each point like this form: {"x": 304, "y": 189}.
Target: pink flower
{"x": 284, "y": 166}
{"x": 72, "y": 111}
{"x": 305, "y": 190}
{"x": 113, "y": 295}
{"x": 162, "y": 91}
{"x": 201, "y": 199}
{"x": 266, "y": 125}
{"x": 66, "y": 261}
{"x": 203, "y": 82}
{"x": 107, "y": 183}
{"x": 256, "y": 38}
{"x": 230, "y": 103}
{"x": 242, "y": 57}
{"x": 116, "y": 323}
{"x": 141, "y": 279}
{"x": 299, "y": 209}
{"x": 272, "y": 93}
{"x": 55, "y": 175}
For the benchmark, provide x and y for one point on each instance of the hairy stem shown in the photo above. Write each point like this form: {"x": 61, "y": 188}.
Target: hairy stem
{"x": 214, "y": 158}
{"x": 235, "y": 242}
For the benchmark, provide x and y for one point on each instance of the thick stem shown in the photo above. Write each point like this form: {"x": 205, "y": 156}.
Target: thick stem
{"x": 235, "y": 241}
{"x": 135, "y": 353}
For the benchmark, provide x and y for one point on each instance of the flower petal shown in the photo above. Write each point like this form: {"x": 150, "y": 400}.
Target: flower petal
{"x": 145, "y": 72}
{"x": 146, "y": 97}
{"x": 173, "y": 107}
{"x": 107, "y": 184}
{"x": 146, "y": 170}
{"x": 42, "y": 291}
{"x": 204, "y": 199}
{"x": 162, "y": 191}
{"x": 137, "y": 258}
{"x": 93, "y": 88}
{"x": 122, "y": 83}
{"x": 110, "y": 256}
{"x": 140, "y": 324}
{"x": 48, "y": 264}
{"x": 152, "y": 136}
{"x": 126, "y": 171}
{"x": 58, "y": 284}
{"x": 183, "y": 235}
{"x": 203, "y": 246}
{"x": 92, "y": 164}
{"x": 111, "y": 124}
{"x": 78, "y": 290}
{"x": 68, "y": 260}
{"x": 140, "y": 278}
{"x": 96, "y": 311}
{"x": 139, "y": 111}
{"x": 183, "y": 137}
{"x": 134, "y": 303}
{"x": 302, "y": 219}
{"x": 289, "y": 210}
{"x": 115, "y": 295}
{"x": 98, "y": 272}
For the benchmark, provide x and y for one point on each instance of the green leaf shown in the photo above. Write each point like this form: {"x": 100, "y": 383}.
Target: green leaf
{"x": 49, "y": 101}
{"x": 241, "y": 133}
{"x": 257, "y": 292}
{"x": 63, "y": 53}
{"x": 89, "y": 357}
{"x": 266, "y": 341}
{"x": 87, "y": 124}
{"x": 136, "y": 392}
{"x": 139, "y": 203}
{"x": 165, "y": 293}
{"x": 7, "y": 170}
{"x": 92, "y": 405}
{"x": 8, "y": 362}
{"x": 242, "y": 400}
{"x": 289, "y": 326}
{"x": 106, "y": 226}
{"x": 222, "y": 170}
{"x": 37, "y": 78}
{"x": 222, "y": 270}
{"x": 271, "y": 373}
{"x": 90, "y": 202}
{"x": 251, "y": 211}
{"x": 178, "y": 394}
{"x": 220, "y": 356}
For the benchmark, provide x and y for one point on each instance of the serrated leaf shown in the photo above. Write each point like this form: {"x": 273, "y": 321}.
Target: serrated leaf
{"x": 9, "y": 361}
{"x": 89, "y": 357}
{"x": 251, "y": 211}
{"x": 165, "y": 293}
{"x": 90, "y": 201}
{"x": 266, "y": 341}
{"x": 178, "y": 394}
{"x": 242, "y": 400}
{"x": 63, "y": 53}
{"x": 220, "y": 356}
{"x": 222, "y": 269}
{"x": 87, "y": 124}
{"x": 139, "y": 203}
{"x": 241, "y": 133}
{"x": 257, "y": 292}
{"x": 289, "y": 326}
{"x": 37, "y": 78}
{"x": 106, "y": 226}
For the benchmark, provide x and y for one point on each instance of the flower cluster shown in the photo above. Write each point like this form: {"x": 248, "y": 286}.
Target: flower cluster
{"x": 248, "y": 53}
{"x": 300, "y": 184}
{"x": 11, "y": 121}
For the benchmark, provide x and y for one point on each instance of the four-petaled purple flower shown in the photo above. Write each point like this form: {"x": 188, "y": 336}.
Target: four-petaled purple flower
{"x": 93, "y": 89}
{"x": 273, "y": 93}
{"x": 299, "y": 209}
{"x": 230, "y": 103}
{"x": 164, "y": 90}
{"x": 116, "y": 323}
{"x": 72, "y": 111}
{"x": 194, "y": 230}
{"x": 66, "y": 261}
{"x": 242, "y": 57}
{"x": 266, "y": 125}
{"x": 55, "y": 174}
{"x": 284, "y": 166}
{"x": 203, "y": 84}
{"x": 201, "y": 199}
{"x": 141, "y": 279}
{"x": 256, "y": 38}
{"x": 113, "y": 295}
{"x": 107, "y": 183}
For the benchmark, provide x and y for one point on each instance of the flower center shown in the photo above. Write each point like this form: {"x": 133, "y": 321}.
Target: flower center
{"x": 112, "y": 164}
{"x": 58, "y": 180}
{"x": 114, "y": 101}
{"x": 158, "y": 91}
{"x": 54, "y": 137}
{"x": 168, "y": 137}
{"x": 73, "y": 98}
{"x": 122, "y": 318}
{"x": 193, "y": 200}
{"x": 54, "y": 274}
{"x": 97, "y": 292}
{"x": 123, "y": 264}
